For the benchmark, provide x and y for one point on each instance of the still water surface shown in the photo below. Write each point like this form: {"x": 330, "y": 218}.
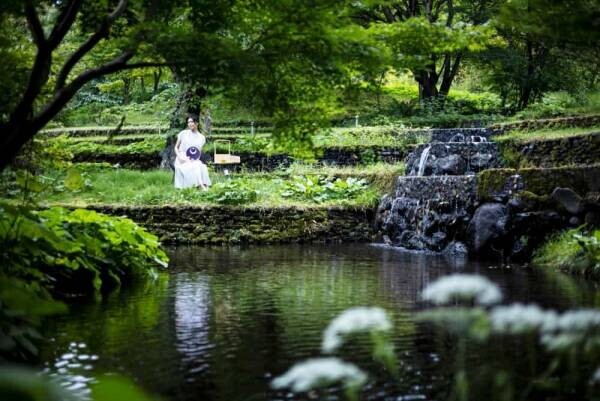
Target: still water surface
{"x": 225, "y": 321}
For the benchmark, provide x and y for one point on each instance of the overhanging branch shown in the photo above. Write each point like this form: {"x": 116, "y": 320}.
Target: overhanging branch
{"x": 64, "y": 23}
{"x": 35, "y": 26}
{"x": 89, "y": 44}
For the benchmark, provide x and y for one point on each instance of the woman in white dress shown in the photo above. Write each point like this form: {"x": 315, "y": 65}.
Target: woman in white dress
{"x": 189, "y": 170}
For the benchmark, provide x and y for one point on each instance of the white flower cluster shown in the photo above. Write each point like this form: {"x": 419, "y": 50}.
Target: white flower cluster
{"x": 518, "y": 319}
{"x": 573, "y": 327}
{"x": 320, "y": 372}
{"x": 558, "y": 331}
{"x": 462, "y": 287}
{"x": 596, "y": 376}
{"x": 354, "y": 320}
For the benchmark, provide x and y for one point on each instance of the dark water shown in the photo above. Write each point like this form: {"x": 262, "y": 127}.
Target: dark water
{"x": 225, "y": 321}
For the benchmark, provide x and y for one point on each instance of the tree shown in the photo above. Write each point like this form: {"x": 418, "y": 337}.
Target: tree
{"x": 129, "y": 23}
{"x": 431, "y": 37}
{"x": 288, "y": 55}
{"x": 552, "y": 45}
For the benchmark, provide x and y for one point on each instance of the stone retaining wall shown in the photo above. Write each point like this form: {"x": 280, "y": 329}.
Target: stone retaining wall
{"x": 498, "y": 183}
{"x": 232, "y": 225}
{"x": 257, "y": 161}
{"x": 139, "y": 161}
{"x": 568, "y": 151}
{"x": 531, "y": 125}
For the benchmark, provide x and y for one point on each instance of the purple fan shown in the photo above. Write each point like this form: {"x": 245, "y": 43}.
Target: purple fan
{"x": 193, "y": 153}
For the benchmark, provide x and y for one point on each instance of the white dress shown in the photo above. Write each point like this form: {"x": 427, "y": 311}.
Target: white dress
{"x": 189, "y": 172}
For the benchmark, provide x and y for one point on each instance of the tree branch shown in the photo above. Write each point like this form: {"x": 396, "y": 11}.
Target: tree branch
{"x": 89, "y": 44}
{"x": 67, "y": 92}
{"x": 34, "y": 23}
{"x": 64, "y": 22}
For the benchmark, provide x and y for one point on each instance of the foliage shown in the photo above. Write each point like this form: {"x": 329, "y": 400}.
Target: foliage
{"x": 567, "y": 342}
{"x": 95, "y": 110}
{"x": 365, "y": 137}
{"x": 77, "y": 251}
{"x": 22, "y": 307}
{"x": 576, "y": 251}
{"x": 551, "y": 46}
{"x": 233, "y": 192}
{"x": 319, "y": 189}
{"x": 150, "y": 145}
{"x": 18, "y": 383}
{"x": 553, "y": 104}
{"x": 156, "y": 187}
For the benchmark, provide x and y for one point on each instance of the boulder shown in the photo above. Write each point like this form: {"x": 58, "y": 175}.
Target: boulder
{"x": 456, "y": 249}
{"x": 489, "y": 224}
{"x": 568, "y": 199}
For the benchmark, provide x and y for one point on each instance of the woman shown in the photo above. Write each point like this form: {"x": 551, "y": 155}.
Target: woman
{"x": 189, "y": 170}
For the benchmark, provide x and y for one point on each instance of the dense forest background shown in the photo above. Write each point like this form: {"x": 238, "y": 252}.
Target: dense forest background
{"x": 299, "y": 65}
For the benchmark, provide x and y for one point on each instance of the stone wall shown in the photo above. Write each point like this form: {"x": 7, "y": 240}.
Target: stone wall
{"x": 496, "y": 184}
{"x": 140, "y": 161}
{"x": 252, "y": 225}
{"x": 573, "y": 150}
{"x": 521, "y": 208}
{"x": 257, "y": 161}
{"x": 530, "y": 125}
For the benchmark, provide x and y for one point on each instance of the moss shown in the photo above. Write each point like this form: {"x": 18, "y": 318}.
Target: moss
{"x": 492, "y": 181}
{"x": 540, "y": 181}
{"x": 534, "y": 201}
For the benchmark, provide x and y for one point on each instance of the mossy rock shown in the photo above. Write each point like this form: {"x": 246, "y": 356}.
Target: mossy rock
{"x": 493, "y": 181}
{"x": 540, "y": 181}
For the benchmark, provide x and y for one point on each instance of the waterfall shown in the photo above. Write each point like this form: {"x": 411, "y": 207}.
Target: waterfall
{"x": 423, "y": 160}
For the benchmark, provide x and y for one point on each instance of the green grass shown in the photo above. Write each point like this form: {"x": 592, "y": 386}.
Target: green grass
{"x": 130, "y": 187}
{"x": 574, "y": 251}
{"x": 546, "y": 134}
{"x": 370, "y": 136}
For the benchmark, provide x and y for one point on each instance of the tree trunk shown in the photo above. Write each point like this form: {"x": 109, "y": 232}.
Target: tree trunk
{"x": 126, "y": 90}
{"x": 526, "y": 89}
{"x": 427, "y": 84}
{"x": 156, "y": 74}
{"x": 143, "y": 87}
{"x": 450, "y": 70}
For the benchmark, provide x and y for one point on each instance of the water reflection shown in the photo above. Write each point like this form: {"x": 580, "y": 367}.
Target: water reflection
{"x": 226, "y": 320}
{"x": 191, "y": 322}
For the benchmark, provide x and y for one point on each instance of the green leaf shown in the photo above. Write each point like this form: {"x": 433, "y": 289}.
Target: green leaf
{"x": 118, "y": 389}
{"x": 74, "y": 180}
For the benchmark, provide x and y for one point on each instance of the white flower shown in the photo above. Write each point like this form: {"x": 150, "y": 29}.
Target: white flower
{"x": 596, "y": 376}
{"x": 320, "y": 372}
{"x": 518, "y": 318}
{"x": 573, "y": 328}
{"x": 560, "y": 342}
{"x": 354, "y": 320}
{"x": 579, "y": 320}
{"x": 462, "y": 287}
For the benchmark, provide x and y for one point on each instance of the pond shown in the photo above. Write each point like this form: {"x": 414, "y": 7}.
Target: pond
{"x": 225, "y": 321}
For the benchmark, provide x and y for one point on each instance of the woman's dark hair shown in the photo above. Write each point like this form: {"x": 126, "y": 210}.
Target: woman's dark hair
{"x": 193, "y": 117}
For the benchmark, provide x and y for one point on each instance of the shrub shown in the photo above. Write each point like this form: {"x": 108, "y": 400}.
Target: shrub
{"x": 75, "y": 252}
{"x": 318, "y": 189}
{"x": 234, "y": 192}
